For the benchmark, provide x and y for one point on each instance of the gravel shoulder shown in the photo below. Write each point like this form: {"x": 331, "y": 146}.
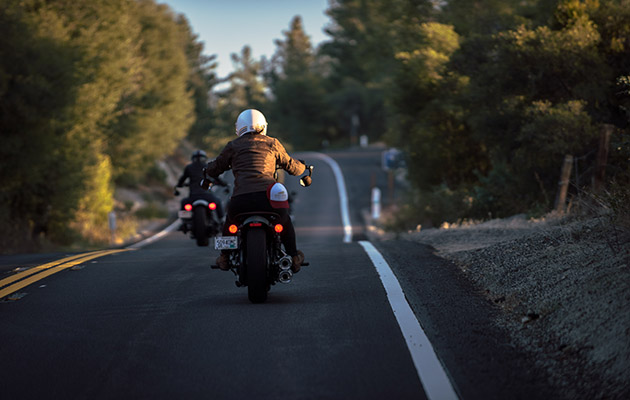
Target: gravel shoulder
{"x": 562, "y": 286}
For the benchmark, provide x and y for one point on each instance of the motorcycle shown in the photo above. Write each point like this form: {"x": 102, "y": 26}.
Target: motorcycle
{"x": 257, "y": 257}
{"x": 200, "y": 218}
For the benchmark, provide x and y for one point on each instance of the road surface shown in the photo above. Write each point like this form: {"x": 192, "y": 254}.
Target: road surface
{"x": 158, "y": 323}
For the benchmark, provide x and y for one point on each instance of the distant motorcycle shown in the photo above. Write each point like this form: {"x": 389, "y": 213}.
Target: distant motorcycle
{"x": 200, "y": 218}
{"x": 257, "y": 256}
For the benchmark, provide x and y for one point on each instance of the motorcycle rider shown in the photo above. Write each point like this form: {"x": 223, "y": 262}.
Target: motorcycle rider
{"x": 194, "y": 173}
{"x": 253, "y": 157}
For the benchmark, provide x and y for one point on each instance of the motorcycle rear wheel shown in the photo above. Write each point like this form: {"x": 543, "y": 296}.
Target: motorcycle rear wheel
{"x": 257, "y": 265}
{"x": 200, "y": 223}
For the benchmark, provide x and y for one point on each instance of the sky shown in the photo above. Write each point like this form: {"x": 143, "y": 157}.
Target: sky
{"x": 225, "y": 26}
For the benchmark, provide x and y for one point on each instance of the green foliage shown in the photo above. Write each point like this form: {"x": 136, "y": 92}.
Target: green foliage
{"x": 499, "y": 193}
{"x": 151, "y": 211}
{"x": 89, "y": 91}
{"x": 91, "y": 217}
{"x": 202, "y": 78}
{"x": 365, "y": 39}
{"x": 299, "y": 112}
{"x": 487, "y": 98}
{"x": 429, "y": 208}
{"x": 156, "y": 176}
{"x": 157, "y": 113}
{"x": 245, "y": 90}
{"x": 550, "y": 132}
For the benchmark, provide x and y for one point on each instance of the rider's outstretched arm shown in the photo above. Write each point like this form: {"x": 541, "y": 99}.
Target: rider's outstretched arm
{"x": 220, "y": 164}
{"x": 288, "y": 163}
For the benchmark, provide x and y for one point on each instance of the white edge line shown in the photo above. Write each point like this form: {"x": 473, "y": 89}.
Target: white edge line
{"x": 430, "y": 370}
{"x": 343, "y": 195}
{"x": 157, "y": 236}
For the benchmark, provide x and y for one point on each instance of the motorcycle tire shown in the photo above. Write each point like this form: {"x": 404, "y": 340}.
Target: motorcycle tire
{"x": 200, "y": 222}
{"x": 257, "y": 265}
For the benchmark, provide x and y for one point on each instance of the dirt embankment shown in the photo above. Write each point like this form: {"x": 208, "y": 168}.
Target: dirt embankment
{"x": 563, "y": 288}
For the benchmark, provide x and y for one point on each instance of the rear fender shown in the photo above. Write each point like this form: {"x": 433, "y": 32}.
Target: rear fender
{"x": 200, "y": 202}
{"x": 254, "y": 219}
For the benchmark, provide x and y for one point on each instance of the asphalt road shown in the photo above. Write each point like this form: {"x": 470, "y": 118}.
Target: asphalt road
{"x": 158, "y": 323}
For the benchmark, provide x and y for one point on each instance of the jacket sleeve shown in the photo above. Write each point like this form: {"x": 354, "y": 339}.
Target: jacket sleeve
{"x": 220, "y": 164}
{"x": 183, "y": 178}
{"x": 288, "y": 163}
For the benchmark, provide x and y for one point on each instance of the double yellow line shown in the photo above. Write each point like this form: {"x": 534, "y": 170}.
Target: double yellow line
{"x": 22, "y": 279}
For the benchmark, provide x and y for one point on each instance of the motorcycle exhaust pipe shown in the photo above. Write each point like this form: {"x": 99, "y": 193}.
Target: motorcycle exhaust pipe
{"x": 285, "y": 263}
{"x": 285, "y": 276}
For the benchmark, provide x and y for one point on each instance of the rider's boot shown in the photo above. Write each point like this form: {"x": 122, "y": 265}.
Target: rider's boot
{"x": 223, "y": 262}
{"x": 297, "y": 259}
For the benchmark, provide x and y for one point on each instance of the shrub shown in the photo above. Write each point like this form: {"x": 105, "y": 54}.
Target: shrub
{"x": 152, "y": 210}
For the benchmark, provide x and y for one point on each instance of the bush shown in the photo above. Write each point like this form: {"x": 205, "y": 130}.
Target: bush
{"x": 498, "y": 194}
{"x": 429, "y": 208}
{"x": 156, "y": 176}
{"x": 152, "y": 210}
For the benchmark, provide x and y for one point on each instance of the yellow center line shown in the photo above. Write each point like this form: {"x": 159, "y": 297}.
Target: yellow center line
{"x": 31, "y": 271}
{"x": 48, "y": 270}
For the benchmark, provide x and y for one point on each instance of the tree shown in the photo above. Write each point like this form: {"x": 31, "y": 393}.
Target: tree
{"x": 88, "y": 90}
{"x": 539, "y": 91}
{"x": 299, "y": 112}
{"x": 157, "y": 112}
{"x": 245, "y": 89}
{"x": 61, "y": 86}
{"x": 201, "y": 81}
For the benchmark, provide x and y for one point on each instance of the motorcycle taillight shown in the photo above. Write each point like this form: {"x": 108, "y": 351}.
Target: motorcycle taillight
{"x": 278, "y": 228}
{"x": 188, "y": 207}
{"x": 212, "y": 206}
{"x": 233, "y": 229}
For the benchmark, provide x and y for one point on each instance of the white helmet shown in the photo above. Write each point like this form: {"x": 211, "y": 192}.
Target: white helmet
{"x": 251, "y": 121}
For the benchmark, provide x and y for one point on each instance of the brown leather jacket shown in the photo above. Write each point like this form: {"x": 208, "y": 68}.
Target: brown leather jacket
{"x": 253, "y": 158}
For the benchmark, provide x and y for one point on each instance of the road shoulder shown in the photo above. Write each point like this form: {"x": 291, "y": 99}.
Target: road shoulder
{"x": 461, "y": 323}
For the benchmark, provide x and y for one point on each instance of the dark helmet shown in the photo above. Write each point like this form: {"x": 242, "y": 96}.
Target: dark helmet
{"x": 200, "y": 155}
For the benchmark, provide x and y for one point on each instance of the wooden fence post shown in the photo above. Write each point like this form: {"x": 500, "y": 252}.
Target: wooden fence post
{"x": 563, "y": 185}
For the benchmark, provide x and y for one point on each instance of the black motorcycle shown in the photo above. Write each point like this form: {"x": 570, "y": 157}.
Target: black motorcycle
{"x": 257, "y": 256}
{"x": 200, "y": 218}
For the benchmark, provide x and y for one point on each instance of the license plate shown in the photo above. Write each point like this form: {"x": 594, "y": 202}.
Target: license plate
{"x": 226, "y": 242}
{"x": 184, "y": 214}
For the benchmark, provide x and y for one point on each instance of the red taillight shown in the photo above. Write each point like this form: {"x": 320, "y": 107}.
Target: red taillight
{"x": 255, "y": 224}
{"x": 233, "y": 229}
{"x": 279, "y": 228}
{"x": 188, "y": 207}
{"x": 212, "y": 206}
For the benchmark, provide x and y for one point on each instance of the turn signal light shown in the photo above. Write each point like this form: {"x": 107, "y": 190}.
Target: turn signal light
{"x": 212, "y": 206}
{"x": 233, "y": 229}
{"x": 279, "y": 228}
{"x": 188, "y": 207}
